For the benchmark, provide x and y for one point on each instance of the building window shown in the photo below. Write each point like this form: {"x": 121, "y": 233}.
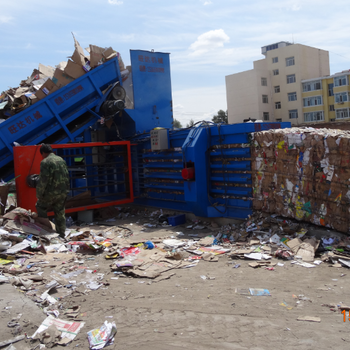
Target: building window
{"x": 331, "y": 108}
{"x": 341, "y": 97}
{"x": 277, "y": 89}
{"x": 330, "y": 90}
{"x": 293, "y": 114}
{"x": 312, "y": 101}
{"x": 266, "y": 116}
{"x": 340, "y": 81}
{"x": 274, "y": 59}
{"x": 278, "y": 105}
{"x": 313, "y": 116}
{"x": 265, "y": 99}
{"x": 290, "y": 61}
{"x": 263, "y": 81}
{"x": 341, "y": 113}
{"x": 279, "y": 120}
{"x": 290, "y": 78}
{"x": 312, "y": 86}
{"x": 292, "y": 96}
{"x": 276, "y": 72}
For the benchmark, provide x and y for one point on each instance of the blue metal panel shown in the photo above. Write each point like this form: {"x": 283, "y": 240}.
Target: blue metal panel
{"x": 161, "y": 183}
{"x": 55, "y": 116}
{"x": 152, "y": 90}
{"x": 221, "y": 158}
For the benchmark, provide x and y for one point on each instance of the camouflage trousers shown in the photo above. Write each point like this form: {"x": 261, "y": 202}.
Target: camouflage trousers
{"x": 58, "y": 207}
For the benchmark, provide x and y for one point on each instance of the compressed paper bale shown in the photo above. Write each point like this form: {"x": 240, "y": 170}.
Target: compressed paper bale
{"x": 322, "y": 190}
{"x": 344, "y": 145}
{"x": 345, "y": 160}
{"x": 341, "y": 225}
{"x": 335, "y": 159}
{"x": 306, "y": 187}
{"x": 308, "y": 160}
{"x": 342, "y": 175}
{"x": 266, "y": 182}
{"x": 257, "y": 204}
{"x": 319, "y": 152}
{"x": 269, "y": 152}
{"x": 271, "y": 206}
{"x": 332, "y": 143}
{"x": 336, "y": 192}
{"x": 336, "y": 210}
{"x": 307, "y": 170}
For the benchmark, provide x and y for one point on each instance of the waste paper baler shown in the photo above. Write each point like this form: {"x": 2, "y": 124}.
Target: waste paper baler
{"x": 205, "y": 169}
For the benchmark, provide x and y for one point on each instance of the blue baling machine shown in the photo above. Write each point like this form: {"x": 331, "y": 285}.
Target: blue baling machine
{"x": 205, "y": 169}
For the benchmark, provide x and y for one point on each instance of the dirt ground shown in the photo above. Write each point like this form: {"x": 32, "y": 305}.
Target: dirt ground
{"x": 188, "y": 312}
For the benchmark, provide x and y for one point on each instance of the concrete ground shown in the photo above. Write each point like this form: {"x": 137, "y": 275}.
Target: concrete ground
{"x": 189, "y": 312}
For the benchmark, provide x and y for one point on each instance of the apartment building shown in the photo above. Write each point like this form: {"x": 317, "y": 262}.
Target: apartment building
{"x": 272, "y": 90}
{"x": 326, "y": 99}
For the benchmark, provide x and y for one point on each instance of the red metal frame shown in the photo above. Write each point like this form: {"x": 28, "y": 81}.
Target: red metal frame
{"x": 27, "y": 162}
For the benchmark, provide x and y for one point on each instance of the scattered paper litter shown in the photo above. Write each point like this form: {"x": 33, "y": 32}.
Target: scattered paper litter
{"x": 175, "y": 243}
{"x": 305, "y": 264}
{"x": 257, "y": 256}
{"x": 18, "y": 247}
{"x": 103, "y": 336}
{"x": 309, "y": 319}
{"x": 69, "y": 329}
{"x": 94, "y": 285}
{"x": 275, "y": 239}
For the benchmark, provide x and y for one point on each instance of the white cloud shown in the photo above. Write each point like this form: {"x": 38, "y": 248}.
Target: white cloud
{"x": 208, "y": 41}
{"x": 207, "y": 3}
{"x": 5, "y": 19}
{"x": 293, "y": 5}
{"x": 115, "y": 2}
{"x": 198, "y": 103}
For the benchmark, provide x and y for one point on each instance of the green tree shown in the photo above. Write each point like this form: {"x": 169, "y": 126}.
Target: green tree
{"x": 177, "y": 124}
{"x": 190, "y": 124}
{"x": 221, "y": 117}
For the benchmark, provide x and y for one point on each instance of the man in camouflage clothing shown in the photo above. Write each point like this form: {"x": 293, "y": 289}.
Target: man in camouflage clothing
{"x": 52, "y": 187}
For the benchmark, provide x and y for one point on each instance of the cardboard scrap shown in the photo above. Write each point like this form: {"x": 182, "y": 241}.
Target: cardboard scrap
{"x": 306, "y": 249}
{"x": 216, "y": 250}
{"x": 210, "y": 257}
{"x": 74, "y": 70}
{"x": 165, "y": 277}
{"x": 206, "y": 241}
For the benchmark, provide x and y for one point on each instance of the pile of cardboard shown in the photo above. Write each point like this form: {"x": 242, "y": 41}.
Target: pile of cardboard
{"x": 303, "y": 173}
{"x": 46, "y": 79}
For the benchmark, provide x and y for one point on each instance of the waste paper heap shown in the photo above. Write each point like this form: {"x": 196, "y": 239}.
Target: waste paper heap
{"x": 55, "y": 274}
{"x": 303, "y": 173}
{"x": 46, "y": 79}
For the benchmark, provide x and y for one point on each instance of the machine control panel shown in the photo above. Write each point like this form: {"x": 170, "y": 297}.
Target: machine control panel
{"x": 159, "y": 139}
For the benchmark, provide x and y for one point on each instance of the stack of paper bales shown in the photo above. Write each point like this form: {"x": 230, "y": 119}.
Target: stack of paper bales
{"x": 303, "y": 173}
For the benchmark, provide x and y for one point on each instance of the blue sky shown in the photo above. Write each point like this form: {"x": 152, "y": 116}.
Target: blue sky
{"x": 207, "y": 39}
